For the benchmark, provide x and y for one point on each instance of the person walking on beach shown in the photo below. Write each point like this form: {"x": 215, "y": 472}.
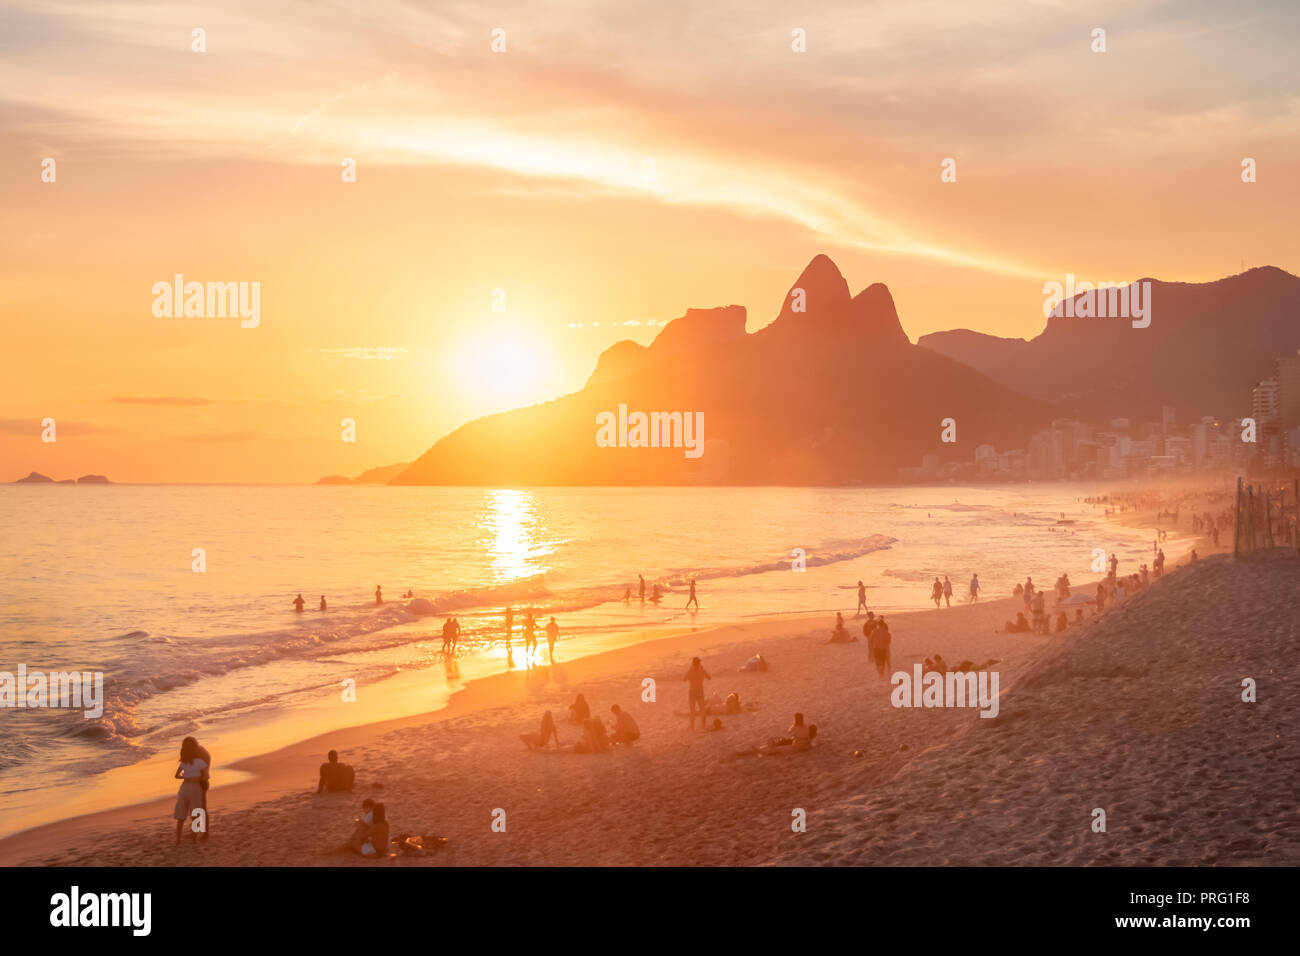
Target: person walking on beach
{"x": 697, "y": 675}
{"x": 974, "y": 588}
{"x": 936, "y": 592}
{"x": 641, "y": 585}
{"x": 947, "y": 591}
{"x": 298, "y": 603}
{"x": 530, "y": 635}
{"x": 693, "y": 599}
{"x": 455, "y": 634}
{"x": 379, "y": 594}
{"x": 862, "y": 599}
{"x": 552, "y": 635}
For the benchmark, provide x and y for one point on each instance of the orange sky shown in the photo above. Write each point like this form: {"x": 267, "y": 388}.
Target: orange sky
{"x": 523, "y": 171}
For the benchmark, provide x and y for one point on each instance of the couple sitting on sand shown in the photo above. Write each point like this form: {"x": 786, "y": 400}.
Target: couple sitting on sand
{"x": 594, "y": 737}
{"x": 370, "y": 836}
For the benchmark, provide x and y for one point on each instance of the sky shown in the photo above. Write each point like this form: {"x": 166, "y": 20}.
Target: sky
{"x": 517, "y": 211}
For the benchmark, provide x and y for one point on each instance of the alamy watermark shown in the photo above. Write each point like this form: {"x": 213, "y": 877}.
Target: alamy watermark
{"x": 82, "y": 690}
{"x": 651, "y": 430}
{"x": 211, "y": 300}
{"x": 951, "y": 689}
{"x": 1113, "y": 300}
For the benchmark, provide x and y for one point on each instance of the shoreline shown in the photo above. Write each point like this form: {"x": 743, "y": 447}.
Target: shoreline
{"x": 291, "y": 769}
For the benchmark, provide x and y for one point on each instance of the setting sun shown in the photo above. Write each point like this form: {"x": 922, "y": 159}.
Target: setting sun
{"x": 503, "y": 360}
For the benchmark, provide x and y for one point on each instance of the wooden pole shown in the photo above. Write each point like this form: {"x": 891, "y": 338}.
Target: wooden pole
{"x": 1250, "y": 518}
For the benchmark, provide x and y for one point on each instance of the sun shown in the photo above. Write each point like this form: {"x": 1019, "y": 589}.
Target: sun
{"x": 503, "y": 360}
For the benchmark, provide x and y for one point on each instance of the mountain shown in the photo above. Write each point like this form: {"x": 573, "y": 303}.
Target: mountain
{"x": 981, "y": 352}
{"x": 830, "y": 392}
{"x": 1206, "y": 345}
{"x": 35, "y": 478}
{"x": 371, "y": 476}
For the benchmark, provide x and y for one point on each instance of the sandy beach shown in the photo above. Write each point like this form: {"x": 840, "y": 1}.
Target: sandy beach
{"x": 1137, "y": 711}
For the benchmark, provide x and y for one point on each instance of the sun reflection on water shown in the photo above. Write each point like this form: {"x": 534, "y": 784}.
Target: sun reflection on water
{"x": 513, "y": 535}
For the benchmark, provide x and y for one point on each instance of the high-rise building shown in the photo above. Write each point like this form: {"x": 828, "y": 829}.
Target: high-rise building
{"x": 1263, "y": 402}
{"x": 1286, "y": 372}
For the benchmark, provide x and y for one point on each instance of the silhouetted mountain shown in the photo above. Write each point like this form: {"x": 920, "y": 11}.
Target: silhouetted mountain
{"x": 829, "y": 394}
{"x": 35, "y": 478}
{"x": 1206, "y": 345}
{"x": 93, "y": 480}
{"x": 981, "y": 352}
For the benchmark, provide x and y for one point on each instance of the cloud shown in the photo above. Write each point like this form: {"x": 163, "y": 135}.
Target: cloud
{"x": 32, "y": 427}
{"x": 162, "y": 400}
{"x": 382, "y": 353}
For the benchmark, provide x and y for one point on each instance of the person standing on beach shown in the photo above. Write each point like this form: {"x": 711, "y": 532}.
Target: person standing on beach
{"x": 693, "y": 599}
{"x": 298, "y": 603}
{"x": 1114, "y": 565}
{"x": 552, "y": 635}
{"x": 642, "y": 587}
{"x": 510, "y": 626}
{"x": 947, "y": 591}
{"x": 697, "y": 675}
{"x": 878, "y": 647}
{"x": 455, "y": 634}
{"x": 190, "y": 795}
{"x": 936, "y": 592}
{"x": 379, "y": 595}
{"x": 322, "y": 602}
{"x": 862, "y": 599}
{"x": 1028, "y": 592}
{"x": 974, "y": 588}
{"x": 530, "y": 635}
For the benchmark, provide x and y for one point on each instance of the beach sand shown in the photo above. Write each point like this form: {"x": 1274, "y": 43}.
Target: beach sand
{"x": 1138, "y": 711}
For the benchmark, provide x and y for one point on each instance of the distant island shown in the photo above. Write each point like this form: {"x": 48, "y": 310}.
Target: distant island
{"x": 374, "y": 476}
{"x": 36, "y": 478}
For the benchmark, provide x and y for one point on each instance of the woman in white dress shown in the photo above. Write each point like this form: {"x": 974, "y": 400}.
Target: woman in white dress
{"x": 190, "y": 796}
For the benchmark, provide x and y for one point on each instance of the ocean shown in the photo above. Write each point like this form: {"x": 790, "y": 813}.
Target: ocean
{"x": 101, "y": 578}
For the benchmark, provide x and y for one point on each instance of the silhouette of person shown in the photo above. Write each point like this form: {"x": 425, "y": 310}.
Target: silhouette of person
{"x": 862, "y": 598}
{"x": 379, "y": 595}
{"x": 693, "y": 599}
{"x": 697, "y": 675}
{"x": 322, "y": 602}
{"x": 510, "y": 624}
{"x": 642, "y": 586}
{"x": 298, "y": 603}
{"x": 552, "y": 635}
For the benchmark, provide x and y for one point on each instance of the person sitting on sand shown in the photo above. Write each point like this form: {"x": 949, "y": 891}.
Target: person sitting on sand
{"x": 840, "y": 635}
{"x": 625, "y": 731}
{"x": 370, "y": 837}
{"x": 335, "y": 776}
{"x": 594, "y": 740}
{"x": 756, "y": 663}
{"x": 1019, "y": 626}
{"x": 190, "y": 795}
{"x": 1017, "y": 591}
{"x": 322, "y": 602}
{"x": 732, "y": 704}
{"x": 298, "y": 603}
{"x": 579, "y": 712}
{"x": 798, "y": 738}
{"x": 548, "y": 730}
